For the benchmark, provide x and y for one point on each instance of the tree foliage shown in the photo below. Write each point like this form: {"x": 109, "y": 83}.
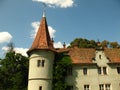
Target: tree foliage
{"x": 13, "y": 71}
{"x": 62, "y": 62}
{"x": 85, "y": 43}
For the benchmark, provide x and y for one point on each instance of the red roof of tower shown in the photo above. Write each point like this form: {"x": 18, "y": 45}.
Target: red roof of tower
{"x": 42, "y": 39}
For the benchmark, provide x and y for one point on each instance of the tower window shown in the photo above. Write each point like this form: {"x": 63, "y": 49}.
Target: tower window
{"x": 85, "y": 71}
{"x": 40, "y": 88}
{"x": 40, "y": 63}
{"x": 43, "y": 62}
{"x": 86, "y": 87}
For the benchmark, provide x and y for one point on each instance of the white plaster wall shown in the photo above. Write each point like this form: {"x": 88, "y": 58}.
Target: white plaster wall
{"x": 34, "y": 85}
{"x": 78, "y": 80}
{"x": 40, "y": 75}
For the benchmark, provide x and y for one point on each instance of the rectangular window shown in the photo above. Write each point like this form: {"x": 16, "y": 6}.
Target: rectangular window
{"x": 104, "y": 87}
{"x": 102, "y": 70}
{"x": 85, "y": 71}
{"x": 43, "y": 62}
{"x": 86, "y": 87}
{"x": 118, "y": 70}
{"x": 101, "y": 87}
{"x": 99, "y": 56}
{"x": 107, "y": 86}
{"x": 38, "y": 63}
{"x": 99, "y": 70}
{"x": 69, "y": 88}
{"x": 40, "y": 88}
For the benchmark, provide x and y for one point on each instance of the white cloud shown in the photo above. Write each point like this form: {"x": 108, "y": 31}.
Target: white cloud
{"x": 57, "y": 3}
{"x": 60, "y": 45}
{"x": 21, "y": 51}
{"x": 17, "y": 50}
{"x": 5, "y": 37}
{"x": 51, "y": 31}
{"x": 35, "y": 26}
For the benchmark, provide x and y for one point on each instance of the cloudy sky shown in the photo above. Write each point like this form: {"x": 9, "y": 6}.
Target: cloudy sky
{"x": 67, "y": 20}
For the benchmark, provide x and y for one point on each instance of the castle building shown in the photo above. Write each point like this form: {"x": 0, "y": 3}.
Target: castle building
{"x": 92, "y": 69}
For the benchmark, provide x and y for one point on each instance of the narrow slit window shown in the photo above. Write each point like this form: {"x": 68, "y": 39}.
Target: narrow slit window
{"x": 100, "y": 56}
{"x": 38, "y": 63}
{"x": 43, "y": 63}
{"x": 40, "y": 88}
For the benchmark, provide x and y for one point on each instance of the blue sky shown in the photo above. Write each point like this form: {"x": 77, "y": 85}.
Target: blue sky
{"x": 91, "y": 19}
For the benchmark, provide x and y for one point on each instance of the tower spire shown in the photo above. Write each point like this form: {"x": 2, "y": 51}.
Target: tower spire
{"x": 42, "y": 39}
{"x": 44, "y": 10}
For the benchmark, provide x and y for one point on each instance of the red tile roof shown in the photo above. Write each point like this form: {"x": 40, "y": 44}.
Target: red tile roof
{"x": 87, "y": 55}
{"x": 42, "y": 39}
{"x": 113, "y": 55}
{"x": 82, "y": 55}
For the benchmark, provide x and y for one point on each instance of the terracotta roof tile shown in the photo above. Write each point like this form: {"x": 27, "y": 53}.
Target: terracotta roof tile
{"x": 113, "y": 55}
{"x": 42, "y": 39}
{"x": 82, "y": 55}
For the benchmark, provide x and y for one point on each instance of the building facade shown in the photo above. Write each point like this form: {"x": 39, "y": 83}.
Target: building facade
{"x": 92, "y": 69}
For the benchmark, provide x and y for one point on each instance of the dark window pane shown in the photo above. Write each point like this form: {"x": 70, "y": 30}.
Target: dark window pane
{"x": 85, "y": 71}
{"x": 43, "y": 62}
{"x": 38, "y": 63}
{"x": 118, "y": 70}
{"x": 104, "y": 70}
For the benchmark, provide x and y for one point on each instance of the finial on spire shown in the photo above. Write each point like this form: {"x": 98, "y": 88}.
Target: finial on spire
{"x": 44, "y": 9}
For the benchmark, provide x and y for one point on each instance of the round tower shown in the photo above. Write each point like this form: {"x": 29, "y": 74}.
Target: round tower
{"x": 41, "y": 58}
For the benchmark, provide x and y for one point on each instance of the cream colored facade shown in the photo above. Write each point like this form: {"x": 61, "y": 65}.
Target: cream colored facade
{"x": 40, "y": 70}
{"x": 96, "y": 78}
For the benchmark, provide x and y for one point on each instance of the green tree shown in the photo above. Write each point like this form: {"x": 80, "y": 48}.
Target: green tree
{"x": 83, "y": 43}
{"x": 114, "y": 44}
{"x": 13, "y": 71}
{"x": 62, "y": 62}
{"x": 105, "y": 43}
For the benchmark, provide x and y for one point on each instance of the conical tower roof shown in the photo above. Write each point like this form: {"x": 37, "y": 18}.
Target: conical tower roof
{"x": 42, "y": 39}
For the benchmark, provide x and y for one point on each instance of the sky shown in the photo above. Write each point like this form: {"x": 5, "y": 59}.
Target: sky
{"x": 67, "y": 20}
